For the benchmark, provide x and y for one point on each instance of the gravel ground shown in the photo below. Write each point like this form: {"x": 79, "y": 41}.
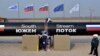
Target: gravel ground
{"x": 11, "y": 47}
{"x": 15, "y": 50}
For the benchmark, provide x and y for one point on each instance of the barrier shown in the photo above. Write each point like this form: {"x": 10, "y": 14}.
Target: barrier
{"x": 30, "y": 42}
{"x": 61, "y": 42}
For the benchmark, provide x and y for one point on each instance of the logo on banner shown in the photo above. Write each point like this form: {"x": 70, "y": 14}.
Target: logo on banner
{"x": 92, "y": 27}
{"x": 2, "y": 28}
{"x": 65, "y": 28}
{"x": 26, "y": 29}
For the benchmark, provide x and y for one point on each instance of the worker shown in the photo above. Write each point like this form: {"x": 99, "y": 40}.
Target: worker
{"x": 44, "y": 40}
{"x": 94, "y": 45}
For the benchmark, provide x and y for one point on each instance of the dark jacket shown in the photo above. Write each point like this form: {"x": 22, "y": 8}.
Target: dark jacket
{"x": 44, "y": 38}
{"x": 95, "y": 42}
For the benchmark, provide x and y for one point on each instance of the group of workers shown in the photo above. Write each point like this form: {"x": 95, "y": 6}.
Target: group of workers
{"x": 44, "y": 40}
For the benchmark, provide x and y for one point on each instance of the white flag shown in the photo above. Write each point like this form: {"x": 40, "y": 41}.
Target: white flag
{"x": 74, "y": 9}
{"x": 13, "y": 7}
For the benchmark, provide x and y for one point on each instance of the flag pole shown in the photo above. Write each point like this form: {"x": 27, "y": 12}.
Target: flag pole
{"x": 63, "y": 11}
{"x": 46, "y": 28}
{"x": 48, "y": 11}
{"x": 79, "y": 10}
{"x": 33, "y": 11}
{"x": 91, "y": 14}
{"x": 18, "y": 11}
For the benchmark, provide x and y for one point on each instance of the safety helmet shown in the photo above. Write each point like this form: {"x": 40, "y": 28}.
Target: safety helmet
{"x": 95, "y": 35}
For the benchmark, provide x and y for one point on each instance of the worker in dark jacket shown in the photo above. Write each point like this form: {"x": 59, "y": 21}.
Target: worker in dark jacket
{"x": 44, "y": 40}
{"x": 94, "y": 45}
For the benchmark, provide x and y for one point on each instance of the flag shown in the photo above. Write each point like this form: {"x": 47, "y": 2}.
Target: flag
{"x": 92, "y": 27}
{"x": 28, "y": 8}
{"x": 44, "y": 8}
{"x": 2, "y": 28}
{"x": 59, "y": 8}
{"x": 74, "y": 9}
{"x": 13, "y": 7}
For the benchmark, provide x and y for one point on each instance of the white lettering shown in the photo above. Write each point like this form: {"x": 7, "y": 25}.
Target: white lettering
{"x": 62, "y": 30}
{"x": 28, "y": 26}
{"x": 18, "y": 30}
{"x": 25, "y": 30}
{"x": 65, "y": 30}
{"x": 57, "y": 30}
{"x": 64, "y": 26}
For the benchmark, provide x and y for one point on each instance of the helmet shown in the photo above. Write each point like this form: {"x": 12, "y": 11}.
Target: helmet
{"x": 95, "y": 35}
{"x": 44, "y": 32}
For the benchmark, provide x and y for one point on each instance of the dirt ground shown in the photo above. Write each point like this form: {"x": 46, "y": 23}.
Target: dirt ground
{"x": 79, "y": 49}
{"x": 12, "y": 47}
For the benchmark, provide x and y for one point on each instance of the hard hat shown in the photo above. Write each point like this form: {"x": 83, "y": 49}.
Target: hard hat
{"x": 44, "y": 32}
{"x": 95, "y": 35}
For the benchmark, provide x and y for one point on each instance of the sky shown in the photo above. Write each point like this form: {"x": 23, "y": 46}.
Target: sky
{"x": 86, "y": 8}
